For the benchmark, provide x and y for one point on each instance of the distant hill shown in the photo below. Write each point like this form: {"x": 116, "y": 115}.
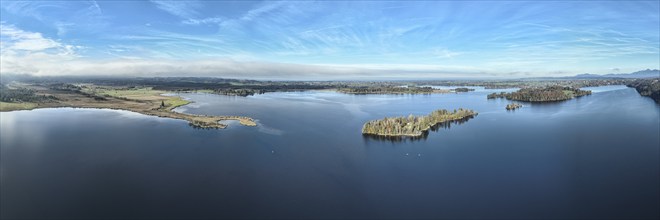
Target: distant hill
{"x": 590, "y": 76}
{"x": 647, "y": 73}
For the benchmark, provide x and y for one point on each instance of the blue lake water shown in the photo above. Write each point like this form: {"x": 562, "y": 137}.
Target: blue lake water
{"x": 592, "y": 157}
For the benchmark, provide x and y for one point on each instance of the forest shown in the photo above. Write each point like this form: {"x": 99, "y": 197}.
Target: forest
{"x": 647, "y": 87}
{"x": 17, "y": 95}
{"x": 545, "y": 94}
{"x": 413, "y": 125}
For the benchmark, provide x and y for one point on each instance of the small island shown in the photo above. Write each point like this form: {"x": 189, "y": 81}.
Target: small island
{"x": 414, "y": 126}
{"x": 513, "y": 106}
{"x": 462, "y": 89}
{"x": 544, "y": 94}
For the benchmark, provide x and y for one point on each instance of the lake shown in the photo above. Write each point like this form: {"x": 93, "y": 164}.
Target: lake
{"x": 591, "y": 157}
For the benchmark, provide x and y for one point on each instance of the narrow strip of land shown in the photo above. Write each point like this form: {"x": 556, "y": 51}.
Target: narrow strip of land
{"x": 141, "y": 100}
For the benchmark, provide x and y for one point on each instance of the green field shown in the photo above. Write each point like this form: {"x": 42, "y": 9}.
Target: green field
{"x": 174, "y": 102}
{"x": 10, "y": 106}
{"x": 126, "y": 93}
{"x": 144, "y": 94}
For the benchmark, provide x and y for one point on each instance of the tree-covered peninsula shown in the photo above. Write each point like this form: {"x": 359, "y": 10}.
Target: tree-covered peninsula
{"x": 647, "y": 87}
{"x": 545, "y": 94}
{"x": 414, "y": 126}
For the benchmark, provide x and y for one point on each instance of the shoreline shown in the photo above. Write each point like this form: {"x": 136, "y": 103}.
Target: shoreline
{"x": 245, "y": 121}
{"x": 146, "y": 102}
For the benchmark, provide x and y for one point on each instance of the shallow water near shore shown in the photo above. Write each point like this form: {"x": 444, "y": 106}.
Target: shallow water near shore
{"x": 596, "y": 156}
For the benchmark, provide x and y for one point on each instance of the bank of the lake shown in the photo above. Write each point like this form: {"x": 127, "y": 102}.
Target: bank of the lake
{"x": 140, "y": 100}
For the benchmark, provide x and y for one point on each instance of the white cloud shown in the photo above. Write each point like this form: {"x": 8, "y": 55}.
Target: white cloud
{"x": 95, "y": 5}
{"x": 25, "y": 41}
{"x": 263, "y": 9}
{"x": 63, "y": 28}
{"x": 32, "y": 53}
{"x": 211, "y": 20}
{"x": 40, "y": 64}
{"x": 446, "y": 53}
{"x": 182, "y": 9}
{"x": 189, "y": 12}
{"x": 271, "y": 12}
{"x": 30, "y": 8}
{"x": 23, "y": 52}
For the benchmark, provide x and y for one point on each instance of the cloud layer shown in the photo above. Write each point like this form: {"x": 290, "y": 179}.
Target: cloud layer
{"x": 26, "y": 52}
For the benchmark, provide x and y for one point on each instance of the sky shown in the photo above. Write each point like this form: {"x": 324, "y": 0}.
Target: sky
{"x": 301, "y": 40}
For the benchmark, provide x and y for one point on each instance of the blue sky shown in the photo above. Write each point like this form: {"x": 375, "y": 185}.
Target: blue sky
{"x": 329, "y": 39}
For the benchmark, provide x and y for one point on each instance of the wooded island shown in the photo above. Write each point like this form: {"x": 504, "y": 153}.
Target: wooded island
{"x": 545, "y": 94}
{"x": 414, "y": 126}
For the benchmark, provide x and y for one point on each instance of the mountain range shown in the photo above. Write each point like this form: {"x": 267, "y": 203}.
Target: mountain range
{"x": 647, "y": 73}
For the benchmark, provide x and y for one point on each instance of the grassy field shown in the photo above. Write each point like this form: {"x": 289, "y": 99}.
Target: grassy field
{"x": 174, "y": 102}
{"x": 137, "y": 94}
{"x": 142, "y": 94}
{"x": 10, "y": 106}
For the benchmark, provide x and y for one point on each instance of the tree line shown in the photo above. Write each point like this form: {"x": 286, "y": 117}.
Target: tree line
{"x": 22, "y": 95}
